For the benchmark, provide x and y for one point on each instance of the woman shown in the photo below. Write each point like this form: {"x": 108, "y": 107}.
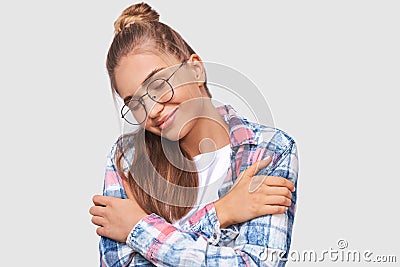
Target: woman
{"x": 182, "y": 190}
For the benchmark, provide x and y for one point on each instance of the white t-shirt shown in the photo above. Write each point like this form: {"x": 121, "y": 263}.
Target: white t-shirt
{"x": 212, "y": 168}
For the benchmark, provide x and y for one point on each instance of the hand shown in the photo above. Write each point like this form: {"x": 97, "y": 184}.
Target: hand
{"x": 116, "y": 217}
{"x": 239, "y": 205}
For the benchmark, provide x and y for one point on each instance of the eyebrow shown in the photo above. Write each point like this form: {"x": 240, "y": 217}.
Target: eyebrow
{"x": 153, "y": 72}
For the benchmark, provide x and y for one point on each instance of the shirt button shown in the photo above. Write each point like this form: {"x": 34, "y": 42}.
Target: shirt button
{"x": 215, "y": 236}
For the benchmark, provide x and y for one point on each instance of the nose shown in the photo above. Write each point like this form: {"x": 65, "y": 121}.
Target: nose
{"x": 155, "y": 109}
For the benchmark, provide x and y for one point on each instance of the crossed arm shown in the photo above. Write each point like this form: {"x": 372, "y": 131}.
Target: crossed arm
{"x": 253, "y": 221}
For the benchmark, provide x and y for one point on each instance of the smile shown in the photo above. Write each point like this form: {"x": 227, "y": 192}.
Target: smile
{"x": 169, "y": 120}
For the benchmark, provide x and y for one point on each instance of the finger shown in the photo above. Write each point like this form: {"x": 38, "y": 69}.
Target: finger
{"x": 279, "y": 181}
{"x": 273, "y": 209}
{"x": 250, "y": 171}
{"x": 256, "y": 182}
{"x": 102, "y": 231}
{"x": 277, "y": 191}
{"x": 257, "y": 166}
{"x": 277, "y": 200}
{"x": 99, "y": 221}
{"x": 100, "y": 200}
{"x": 97, "y": 210}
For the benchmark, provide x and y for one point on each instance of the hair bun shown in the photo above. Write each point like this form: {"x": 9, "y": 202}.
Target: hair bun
{"x": 140, "y": 12}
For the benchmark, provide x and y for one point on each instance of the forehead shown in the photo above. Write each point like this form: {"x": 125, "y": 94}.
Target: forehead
{"x": 133, "y": 69}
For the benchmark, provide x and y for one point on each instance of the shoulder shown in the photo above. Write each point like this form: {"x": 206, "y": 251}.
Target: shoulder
{"x": 271, "y": 137}
{"x": 123, "y": 147}
{"x": 281, "y": 147}
{"x": 245, "y": 131}
{"x": 119, "y": 156}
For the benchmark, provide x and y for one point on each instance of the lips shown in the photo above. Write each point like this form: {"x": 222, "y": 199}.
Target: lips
{"x": 167, "y": 120}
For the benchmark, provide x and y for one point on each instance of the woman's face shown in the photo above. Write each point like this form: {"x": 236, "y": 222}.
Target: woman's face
{"x": 176, "y": 118}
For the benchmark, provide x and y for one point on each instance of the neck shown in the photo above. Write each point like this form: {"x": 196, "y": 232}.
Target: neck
{"x": 210, "y": 133}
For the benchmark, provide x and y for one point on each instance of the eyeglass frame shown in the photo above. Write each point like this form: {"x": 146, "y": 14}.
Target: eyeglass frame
{"x": 140, "y": 99}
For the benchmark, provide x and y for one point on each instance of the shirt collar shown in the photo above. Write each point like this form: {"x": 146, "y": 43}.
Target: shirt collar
{"x": 240, "y": 130}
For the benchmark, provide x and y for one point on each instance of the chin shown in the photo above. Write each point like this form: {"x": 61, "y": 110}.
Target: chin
{"x": 177, "y": 133}
{"x": 173, "y": 136}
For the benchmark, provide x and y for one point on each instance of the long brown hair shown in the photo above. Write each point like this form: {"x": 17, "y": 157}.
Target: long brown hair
{"x": 150, "y": 173}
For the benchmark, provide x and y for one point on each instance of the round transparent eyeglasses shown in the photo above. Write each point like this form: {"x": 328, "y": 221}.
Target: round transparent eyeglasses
{"x": 158, "y": 90}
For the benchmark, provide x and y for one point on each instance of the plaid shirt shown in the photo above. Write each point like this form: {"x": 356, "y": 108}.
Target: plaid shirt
{"x": 263, "y": 241}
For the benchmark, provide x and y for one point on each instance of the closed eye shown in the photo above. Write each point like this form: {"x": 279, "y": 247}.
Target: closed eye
{"x": 145, "y": 81}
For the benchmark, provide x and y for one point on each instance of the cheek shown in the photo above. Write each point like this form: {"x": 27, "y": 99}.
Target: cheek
{"x": 191, "y": 104}
{"x": 186, "y": 92}
{"x": 190, "y": 110}
{"x": 190, "y": 100}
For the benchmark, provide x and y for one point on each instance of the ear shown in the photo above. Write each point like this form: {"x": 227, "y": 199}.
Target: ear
{"x": 196, "y": 64}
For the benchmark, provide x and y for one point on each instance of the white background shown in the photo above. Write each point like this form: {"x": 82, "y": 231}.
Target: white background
{"x": 329, "y": 70}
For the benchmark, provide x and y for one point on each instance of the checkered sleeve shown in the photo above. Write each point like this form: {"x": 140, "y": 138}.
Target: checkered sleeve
{"x": 271, "y": 234}
{"x": 165, "y": 245}
{"x": 113, "y": 253}
{"x": 288, "y": 168}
